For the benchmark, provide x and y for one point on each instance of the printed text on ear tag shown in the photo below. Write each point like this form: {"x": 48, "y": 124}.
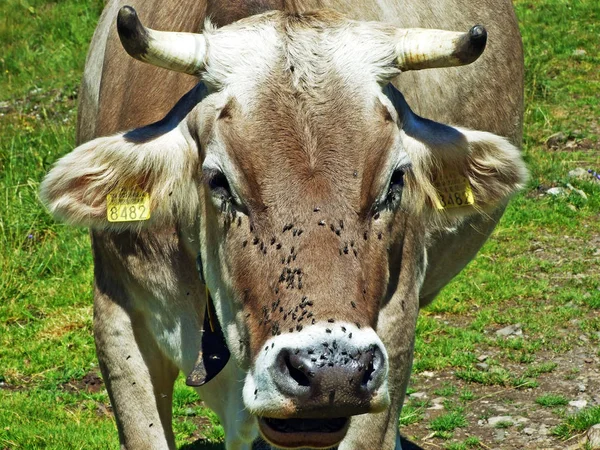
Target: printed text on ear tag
{"x": 453, "y": 192}
{"x": 127, "y": 205}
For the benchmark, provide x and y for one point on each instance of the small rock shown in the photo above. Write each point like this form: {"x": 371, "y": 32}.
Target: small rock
{"x": 428, "y": 374}
{"x": 581, "y": 387}
{"x": 482, "y": 358}
{"x": 529, "y": 431}
{"x": 510, "y": 330}
{"x": 493, "y": 421}
{"x": 482, "y": 366}
{"x": 555, "y": 139}
{"x": 579, "y": 173}
{"x": 499, "y": 435}
{"x": 556, "y": 191}
{"x": 579, "y": 52}
{"x": 579, "y": 404}
{"x": 418, "y": 395}
{"x": 437, "y": 403}
{"x": 4, "y": 107}
{"x": 190, "y": 412}
{"x": 572, "y": 207}
{"x": 543, "y": 430}
{"x": 593, "y": 437}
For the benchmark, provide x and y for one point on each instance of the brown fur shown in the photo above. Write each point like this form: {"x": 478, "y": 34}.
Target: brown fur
{"x": 157, "y": 265}
{"x": 287, "y": 176}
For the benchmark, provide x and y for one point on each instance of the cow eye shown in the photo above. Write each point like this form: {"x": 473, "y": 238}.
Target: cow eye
{"x": 222, "y": 194}
{"x": 394, "y": 193}
{"x": 218, "y": 184}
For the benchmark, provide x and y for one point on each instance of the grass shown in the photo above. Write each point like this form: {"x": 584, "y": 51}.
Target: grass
{"x": 447, "y": 390}
{"x": 448, "y": 422}
{"x": 495, "y": 377}
{"x": 552, "y": 400}
{"x": 539, "y": 268}
{"x": 578, "y": 422}
{"x": 504, "y": 424}
{"x": 470, "y": 442}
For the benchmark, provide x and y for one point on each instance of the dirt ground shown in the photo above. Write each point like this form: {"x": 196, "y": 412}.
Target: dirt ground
{"x": 507, "y": 418}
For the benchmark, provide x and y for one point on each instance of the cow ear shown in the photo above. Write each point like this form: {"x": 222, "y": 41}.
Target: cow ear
{"x": 145, "y": 177}
{"x": 455, "y": 172}
{"x": 144, "y": 181}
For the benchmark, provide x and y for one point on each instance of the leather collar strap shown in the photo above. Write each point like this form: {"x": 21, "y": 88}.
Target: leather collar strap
{"x": 214, "y": 353}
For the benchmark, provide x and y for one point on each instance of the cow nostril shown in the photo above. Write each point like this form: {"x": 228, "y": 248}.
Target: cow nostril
{"x": 296, "y": 373}
{"x": 368, "y": 375}
{"x": 373, "y": 361}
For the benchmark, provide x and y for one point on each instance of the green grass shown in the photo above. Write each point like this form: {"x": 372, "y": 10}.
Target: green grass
{"x": 578, "y": 422}
{"x": 552, "y": 400}
{"x": 466, "y": 395}
{"x": 470, "y": 442}
{"x": 448, "y": 422}
{"x": 495, "y": 377}
{"x": 411, "y": 414}
{"x": 538, "y": 269}
{"x": 447, "y": 390}
{"x": 536, "y": 370}
{"x": 504, "y": 424}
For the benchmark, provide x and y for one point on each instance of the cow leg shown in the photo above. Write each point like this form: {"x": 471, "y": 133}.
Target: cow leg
{"x": 223, "y": 395}
{"x": 138, "y": 377}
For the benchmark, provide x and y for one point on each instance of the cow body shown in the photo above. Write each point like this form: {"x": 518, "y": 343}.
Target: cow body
{"x": 149, "y": 300}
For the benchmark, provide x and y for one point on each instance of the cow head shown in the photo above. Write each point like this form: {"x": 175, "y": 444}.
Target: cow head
{"x": 307, "y": 185}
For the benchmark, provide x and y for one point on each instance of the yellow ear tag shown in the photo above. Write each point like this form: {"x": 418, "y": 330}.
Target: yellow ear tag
{"x": 127, "y": 205}
{"x": 453, "y": 192}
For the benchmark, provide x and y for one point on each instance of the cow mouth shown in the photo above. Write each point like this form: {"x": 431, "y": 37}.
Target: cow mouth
{"x": 299, "y": 433}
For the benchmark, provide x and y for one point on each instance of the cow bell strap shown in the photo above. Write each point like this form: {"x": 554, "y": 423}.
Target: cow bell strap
{"x": 214, "y": 354}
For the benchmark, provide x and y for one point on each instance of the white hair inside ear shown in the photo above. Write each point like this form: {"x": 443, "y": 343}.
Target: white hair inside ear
{"x": 491, "y": 167}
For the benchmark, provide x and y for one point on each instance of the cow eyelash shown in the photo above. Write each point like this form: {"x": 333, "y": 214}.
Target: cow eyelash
{"x": 217, "y": 182}
{"x": 395, "y": 187}
{"x": 393, "y": 195}
{"x": 219, "y": 187}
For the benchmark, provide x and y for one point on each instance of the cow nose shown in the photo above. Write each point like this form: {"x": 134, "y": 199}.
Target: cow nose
{"x": 330, "y": 374}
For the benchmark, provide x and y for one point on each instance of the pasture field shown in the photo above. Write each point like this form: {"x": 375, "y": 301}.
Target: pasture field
{"x": 506, "y": 358}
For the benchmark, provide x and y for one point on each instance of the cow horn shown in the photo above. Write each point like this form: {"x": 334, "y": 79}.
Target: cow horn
{"x": 181, "y": 52}
{"x": 426, "y": 49}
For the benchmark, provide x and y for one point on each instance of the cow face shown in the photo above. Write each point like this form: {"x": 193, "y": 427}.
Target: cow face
{"x": 309, "y": 186}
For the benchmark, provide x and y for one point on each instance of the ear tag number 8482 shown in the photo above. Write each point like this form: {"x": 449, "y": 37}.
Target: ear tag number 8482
{"x": 454, "y": 193}
{"x": 127, "y": 205}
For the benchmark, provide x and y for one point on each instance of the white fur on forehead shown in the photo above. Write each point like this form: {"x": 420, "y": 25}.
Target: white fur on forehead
{"x": 319, "y": 47}
{"x": 361, "y": 52}
{"x": 241, "y": 53}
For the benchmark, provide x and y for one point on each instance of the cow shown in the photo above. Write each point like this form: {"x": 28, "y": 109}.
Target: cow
{"x": 313, "y": 173}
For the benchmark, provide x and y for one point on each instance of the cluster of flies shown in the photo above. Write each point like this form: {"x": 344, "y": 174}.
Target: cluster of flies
{"x": 291, "y": 277}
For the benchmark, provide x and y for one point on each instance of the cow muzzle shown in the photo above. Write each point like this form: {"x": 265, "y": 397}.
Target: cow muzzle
{"x": 304, "y": 386}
